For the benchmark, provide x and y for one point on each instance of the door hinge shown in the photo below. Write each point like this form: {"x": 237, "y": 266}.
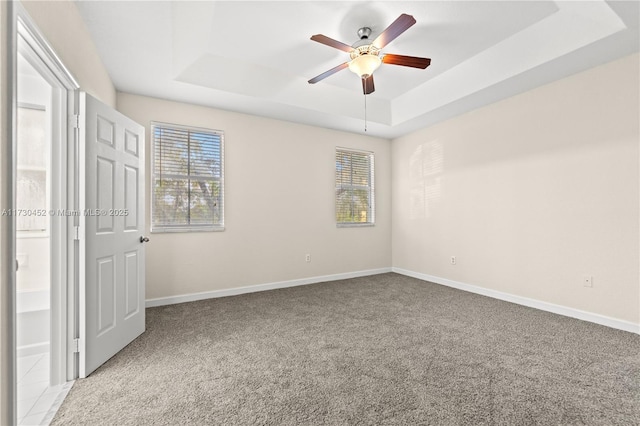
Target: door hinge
{"x": 76, "y": 345}
{"x": 76, "y": 232}
{"x": 74, "y": 121}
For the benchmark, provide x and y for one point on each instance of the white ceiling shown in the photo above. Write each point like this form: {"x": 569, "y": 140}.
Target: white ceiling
{"x": 256, "y": 57}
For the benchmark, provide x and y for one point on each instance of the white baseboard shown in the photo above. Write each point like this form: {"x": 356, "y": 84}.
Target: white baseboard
{"x": 525, "y": 301}
{"x": 171, "y": 300}
{"x": 34, "y": 349}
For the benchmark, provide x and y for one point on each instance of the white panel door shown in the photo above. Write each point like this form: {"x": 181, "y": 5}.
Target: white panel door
{"x": 111, "y": 183}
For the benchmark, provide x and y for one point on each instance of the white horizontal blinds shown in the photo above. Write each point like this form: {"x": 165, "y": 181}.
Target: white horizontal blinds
{"x": 354, "y": 187}
{"x": 188, "y": 173}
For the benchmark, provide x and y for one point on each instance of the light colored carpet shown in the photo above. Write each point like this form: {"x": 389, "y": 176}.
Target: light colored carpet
{"x": 385, "y": 349}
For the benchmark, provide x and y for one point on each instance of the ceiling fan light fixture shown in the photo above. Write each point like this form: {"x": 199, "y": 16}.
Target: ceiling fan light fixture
{"x": 366, "y": 56}
{"x": 365, "y": 65}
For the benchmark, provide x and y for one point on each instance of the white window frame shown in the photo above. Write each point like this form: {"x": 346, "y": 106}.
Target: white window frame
{"x": 189, "y": 227}
{"x": 371, "y": 214}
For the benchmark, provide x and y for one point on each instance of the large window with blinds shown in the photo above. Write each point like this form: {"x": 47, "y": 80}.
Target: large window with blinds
{"x": 188, "y": 178}
{"x": 355, "y": 195}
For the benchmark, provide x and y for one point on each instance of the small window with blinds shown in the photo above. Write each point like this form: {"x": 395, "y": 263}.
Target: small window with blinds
{"x": 188, "y": 179}
{"x": 355, "y": 200}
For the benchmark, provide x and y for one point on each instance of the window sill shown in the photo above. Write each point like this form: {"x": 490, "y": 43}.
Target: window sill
{"x": 355, "y": 225}
{"x": 187, "y": 230}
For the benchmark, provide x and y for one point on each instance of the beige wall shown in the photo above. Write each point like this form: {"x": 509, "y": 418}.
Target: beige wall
{"x": 61, "y": 24}
{"x": 279, "y": 205}
{"x": 531, "y": 194}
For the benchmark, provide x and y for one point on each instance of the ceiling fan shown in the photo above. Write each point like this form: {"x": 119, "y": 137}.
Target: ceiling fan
{"x": 366, "y": 57}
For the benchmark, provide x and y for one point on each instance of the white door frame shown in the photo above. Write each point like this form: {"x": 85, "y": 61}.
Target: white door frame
{"x": 34, "y": 47}
{"x": 7, "y": 224}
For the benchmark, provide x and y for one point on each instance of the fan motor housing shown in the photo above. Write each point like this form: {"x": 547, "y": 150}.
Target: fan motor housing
{"x": 367, "y": 49}
{"x": 363, "y": 46}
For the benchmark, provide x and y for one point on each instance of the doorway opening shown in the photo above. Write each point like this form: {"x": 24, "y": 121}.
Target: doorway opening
{"x": 44, "y": 286}
{"x": 33, "y": 241}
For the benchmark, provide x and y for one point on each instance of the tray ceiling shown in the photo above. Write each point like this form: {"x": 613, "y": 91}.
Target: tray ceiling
{"x": 256, "y": 57}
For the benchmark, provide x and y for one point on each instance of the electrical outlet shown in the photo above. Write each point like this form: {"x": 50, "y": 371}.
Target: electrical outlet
{"x": 587, "y": 281}
{"x": 307, "y": 258}
{"x": 453, "y": 260}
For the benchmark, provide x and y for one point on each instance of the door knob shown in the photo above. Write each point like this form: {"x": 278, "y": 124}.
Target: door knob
{"x": 144, "y": 239}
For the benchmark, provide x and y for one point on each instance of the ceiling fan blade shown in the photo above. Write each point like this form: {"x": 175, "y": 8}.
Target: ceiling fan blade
{"x": 398, "y": 26}
{"x": 328, "y": 73}
{"x": 406, "y": 61}
{"x": 331, "y": 42}
{"x": 367, "y": 85}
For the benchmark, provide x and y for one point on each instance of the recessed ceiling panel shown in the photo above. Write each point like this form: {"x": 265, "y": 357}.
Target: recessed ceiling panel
{"x": 236, "y": 76}
{"x": 256, "y": 57}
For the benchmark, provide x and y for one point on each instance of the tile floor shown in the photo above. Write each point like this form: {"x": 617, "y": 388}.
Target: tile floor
{"x": 37, "y": 401}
